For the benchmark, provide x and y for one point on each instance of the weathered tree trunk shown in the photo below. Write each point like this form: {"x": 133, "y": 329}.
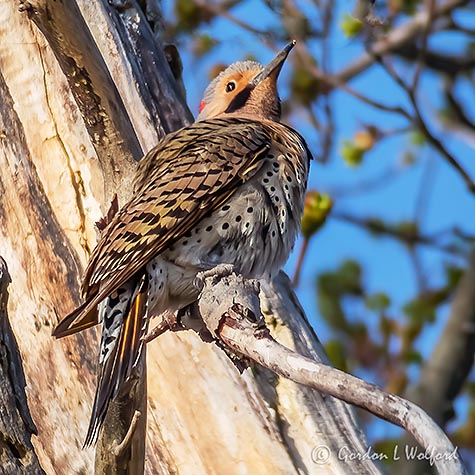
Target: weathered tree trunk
{"x": 79, "y": 100}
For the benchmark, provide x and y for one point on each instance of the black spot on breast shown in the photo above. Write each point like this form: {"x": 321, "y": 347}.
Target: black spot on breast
{"x": 225, "y": 226}
{"x": 209, "y": 228}
{"x": 250, "y": 209}
{"x": 238, "y": 219}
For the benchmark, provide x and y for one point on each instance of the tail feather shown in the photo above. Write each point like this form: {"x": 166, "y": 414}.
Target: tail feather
{"x": 80, "y": 319}
{"x": 117, "y": 366}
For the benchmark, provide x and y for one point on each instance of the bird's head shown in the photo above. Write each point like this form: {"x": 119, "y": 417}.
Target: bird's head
{"x": 245, "y": 88}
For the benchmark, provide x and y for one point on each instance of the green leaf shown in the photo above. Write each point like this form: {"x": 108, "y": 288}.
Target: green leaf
{"x": 417, "y": 138}
{"x": 350, "y": 26}
{"x": 453, "y": 275}
{"x": 352, "y": 155}
{"x": 332, "y": 287}
{"x": 378, "y": 302}
{"x": 303, "y": 85}
{"x": 335, "y": 351}
{"x": 317, "y": 207}
{"x": 330, "y": 309}
{"x": 189, "y": 15}
{"x": 420, "y": 310}
{"x": 412, "y": 356}
{"x": 203, "y": 44}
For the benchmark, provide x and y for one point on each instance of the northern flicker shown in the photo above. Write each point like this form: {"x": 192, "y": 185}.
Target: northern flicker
{"x": 227, "y": 189}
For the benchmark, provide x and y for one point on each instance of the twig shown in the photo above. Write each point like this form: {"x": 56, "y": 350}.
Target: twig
{"x": 223, "y": 11}
{"x": 408, "y": 237}
{"x": 367, "y": 185}
{"x": 120, "y": 449}
{"x": 330, "y": 82}
{"x": 423, "y": 50}
{"x": 439, "y": 146}
{"x": 397, "y": 38}
{"x": 269, "y": 353}
{"x": 298, "y": 267}
{"x": 420, "y": 123}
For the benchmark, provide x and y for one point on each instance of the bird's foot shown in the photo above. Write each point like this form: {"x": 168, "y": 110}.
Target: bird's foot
{"x": 221, "y": 270}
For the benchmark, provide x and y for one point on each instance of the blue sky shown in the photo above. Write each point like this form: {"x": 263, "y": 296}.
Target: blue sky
{"x": 387, "y": 267}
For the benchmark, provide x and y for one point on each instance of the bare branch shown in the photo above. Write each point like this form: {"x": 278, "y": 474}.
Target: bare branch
{"x": 398, "y": 38}
{"x": 409, "y": 237}
{"x": 440, "y": 147}
{"x": 421, "y": 124}
{"x": 423, "y": 50}
{"x": 330, "y": 82}
{"x": 437, "y": 61}
{"x": 241, "y": 330}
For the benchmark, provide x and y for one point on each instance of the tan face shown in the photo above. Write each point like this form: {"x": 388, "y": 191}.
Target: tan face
{"x": 227, "y": 89}
{"x": 246, "y": 89}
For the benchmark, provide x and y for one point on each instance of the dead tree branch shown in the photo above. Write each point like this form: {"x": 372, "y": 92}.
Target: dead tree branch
{"x": 239, "y": 326}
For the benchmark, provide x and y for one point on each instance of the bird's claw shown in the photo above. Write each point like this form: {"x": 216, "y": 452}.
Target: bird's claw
{"x": 221, "y": 270}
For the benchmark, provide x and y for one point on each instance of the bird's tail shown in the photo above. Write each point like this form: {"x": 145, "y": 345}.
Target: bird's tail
{"x": 124, "y": 326}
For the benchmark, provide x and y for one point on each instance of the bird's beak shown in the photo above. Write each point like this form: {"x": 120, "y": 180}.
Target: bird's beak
{"x": 274, "y": 67}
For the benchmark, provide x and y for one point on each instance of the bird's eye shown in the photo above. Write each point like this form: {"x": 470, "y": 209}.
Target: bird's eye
{"x": 230, "y": 86}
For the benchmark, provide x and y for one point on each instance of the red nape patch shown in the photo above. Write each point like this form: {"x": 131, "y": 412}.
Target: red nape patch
{"x": 202, "y": 105}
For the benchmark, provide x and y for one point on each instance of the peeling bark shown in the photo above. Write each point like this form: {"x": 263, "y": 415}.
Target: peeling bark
{"x": 17, "y": 455}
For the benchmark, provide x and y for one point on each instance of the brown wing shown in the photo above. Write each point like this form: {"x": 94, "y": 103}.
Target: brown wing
{"x": 183, "y": 179}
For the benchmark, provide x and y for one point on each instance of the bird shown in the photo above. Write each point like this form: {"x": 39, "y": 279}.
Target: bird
{"x": 227, "y": 189}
